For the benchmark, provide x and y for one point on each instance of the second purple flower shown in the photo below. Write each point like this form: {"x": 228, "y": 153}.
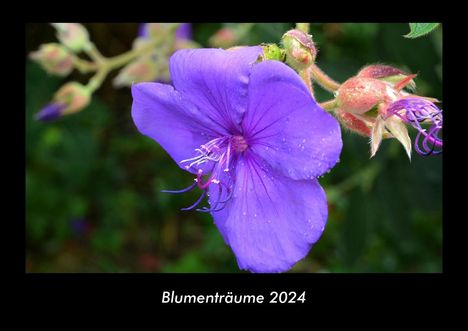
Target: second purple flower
{"x": 256, "y": 142}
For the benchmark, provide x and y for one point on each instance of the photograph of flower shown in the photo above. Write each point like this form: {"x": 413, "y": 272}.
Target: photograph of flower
{"x": 234, "y": 147}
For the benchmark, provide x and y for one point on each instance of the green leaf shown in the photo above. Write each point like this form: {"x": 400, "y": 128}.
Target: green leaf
{"x": 420, "y": 29}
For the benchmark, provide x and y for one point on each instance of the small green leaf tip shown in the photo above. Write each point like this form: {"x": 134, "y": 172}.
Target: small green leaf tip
{"x": 420, "y": 29}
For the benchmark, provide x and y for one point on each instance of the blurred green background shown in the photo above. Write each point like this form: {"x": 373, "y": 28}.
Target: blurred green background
{"x": 93, "y": 182}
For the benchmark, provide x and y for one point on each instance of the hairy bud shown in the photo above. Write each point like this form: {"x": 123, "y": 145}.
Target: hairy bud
{"x": 388, "y": 74}
{"x": 358, "y": 95}
{"x": 300, "y": 49}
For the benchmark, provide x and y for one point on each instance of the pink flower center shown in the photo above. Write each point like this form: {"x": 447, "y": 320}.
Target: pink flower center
{"x": 239, "y": 144}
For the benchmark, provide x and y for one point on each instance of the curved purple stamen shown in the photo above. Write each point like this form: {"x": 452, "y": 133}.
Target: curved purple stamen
{"x": 432, "y": 139}
{"x": 196, "y": 202}
{"x": 415, "y": 111}
{"x": 219, "y": 201}
{"x": 180, "y": 191}
{"x": 220, "y": 152}
{"x": 209, "y": 210}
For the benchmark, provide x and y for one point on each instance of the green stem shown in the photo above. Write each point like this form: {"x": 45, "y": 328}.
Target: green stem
{"x": 84, "y": 66}
{"x": 96, "y": 81}
{"x": 329, "y": 105}
{"x": 106, "y": 65}
{"x": 122, "y": 59}
{"x": 305, "y": 75}
{"x": 323, "y": 79}
{"x": 94, "y": 53}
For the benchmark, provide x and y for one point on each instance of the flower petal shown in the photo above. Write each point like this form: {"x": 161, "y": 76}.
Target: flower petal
{"x": 287, "y": 128}
{"x": 271, "y": 221}
{"x": 166, "y": 116}
{"x": 399, "y": 130}
{"x": 216, "y": 81}
{"x": 376, "y": 136}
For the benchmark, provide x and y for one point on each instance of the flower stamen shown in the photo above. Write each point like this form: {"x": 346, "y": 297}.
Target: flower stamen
{"x": 220, "y": 151}
{"x": 416, "y": 111}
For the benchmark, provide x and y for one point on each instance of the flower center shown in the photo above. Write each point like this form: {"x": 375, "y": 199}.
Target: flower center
{"x": 219, "y": 154}
{"x": 239, "y": 144}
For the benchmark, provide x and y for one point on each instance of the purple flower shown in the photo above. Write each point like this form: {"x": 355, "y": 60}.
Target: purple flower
{"x": 415, "y": 111}
{"x": 256, "y": 142}
{"x": 184, "y": 31}
{"x": 50, "y": 112}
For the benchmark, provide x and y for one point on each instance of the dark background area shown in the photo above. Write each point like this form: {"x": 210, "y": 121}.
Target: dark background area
{"x": 93, "y": 182}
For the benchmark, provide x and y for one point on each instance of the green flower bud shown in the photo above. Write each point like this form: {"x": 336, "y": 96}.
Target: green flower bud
{"x": 273, "y": 52}
{"x": 72, "y": 35}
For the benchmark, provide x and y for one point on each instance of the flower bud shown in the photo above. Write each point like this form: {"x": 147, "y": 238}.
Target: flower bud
{"x": 300, "y": 49}
{"x": 387, "y": 73}
{"x": 185, "y": 43}
{"x": 50, "y": 112}
{"x": 155, "y": 29}
{"x": 54, "y": 58}
{"x": 273, "y": 52}
{"x": 223, "y": 38}
{"x": 73, "y": 96}
{"x": 151, "y": 30}
{"x": 358, "y": 95}
{"x": 70, "y": 98}
{"x": 184, "y": 31}
{"x": 141, "y": 70}
{"x": 73, "y": 35}
{"x": 353, "y": 123}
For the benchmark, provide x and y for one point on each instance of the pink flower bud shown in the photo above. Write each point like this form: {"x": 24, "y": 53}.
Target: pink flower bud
{"x": 358, "y": 95}
{"x": 72, "y": 35}
{"x": 54, "y": 58}
{"x": 224, "y": 38}
{"x": 380, "y": 71}
{"x": 73, "y": 96}
{"x": 141, "y": 70}
{"x": 300, "y": 49}
{"x": 388, "y": 74}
